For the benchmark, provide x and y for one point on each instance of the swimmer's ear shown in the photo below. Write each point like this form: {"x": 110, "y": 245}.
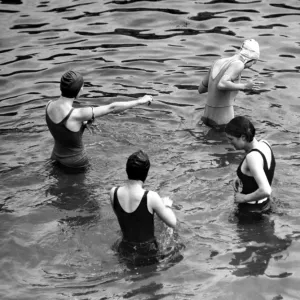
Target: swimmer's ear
{"x": 244, "y": 138}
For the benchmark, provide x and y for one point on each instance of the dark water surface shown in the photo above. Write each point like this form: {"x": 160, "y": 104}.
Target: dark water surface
{"x": 58, "y": 231}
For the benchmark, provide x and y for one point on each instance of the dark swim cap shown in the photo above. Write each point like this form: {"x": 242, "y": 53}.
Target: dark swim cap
{"x": 137, "y": 166}
{"x": 70, "y": 84}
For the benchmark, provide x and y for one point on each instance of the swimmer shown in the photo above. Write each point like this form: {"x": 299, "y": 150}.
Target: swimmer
{"x": 222, "y": 84}
{"x": 67, "y": 124}
{"x": 135, "y": 208}
{"x": 252, "y": 187}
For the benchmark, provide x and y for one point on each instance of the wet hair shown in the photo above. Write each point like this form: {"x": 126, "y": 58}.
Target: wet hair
{"x": 70, "y": 84}
{"x": 239, "y": 126}
{"x": 137, "y": 166}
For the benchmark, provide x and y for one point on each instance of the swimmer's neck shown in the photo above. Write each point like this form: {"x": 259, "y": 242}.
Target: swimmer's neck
{"x": 65, "y": 102}
{"x": 251, "y": 145}
{"x": 134, "y": 183}
{"x": 65, "y": 99}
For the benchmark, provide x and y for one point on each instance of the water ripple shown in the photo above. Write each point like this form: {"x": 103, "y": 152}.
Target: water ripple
{"x": 125, "y": 49}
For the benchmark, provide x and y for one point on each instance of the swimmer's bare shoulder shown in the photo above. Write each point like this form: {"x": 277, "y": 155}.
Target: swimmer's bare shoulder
{"x": 111, "y": 194}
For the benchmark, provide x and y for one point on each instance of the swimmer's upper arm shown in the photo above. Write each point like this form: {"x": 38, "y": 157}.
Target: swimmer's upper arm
{"x": 83, "y": 114}
{"x": 164, "y": 213}
{"x": 232, "y": 73}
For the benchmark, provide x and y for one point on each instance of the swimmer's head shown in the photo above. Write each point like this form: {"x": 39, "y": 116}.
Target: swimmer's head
{"x": 70, "y": 84}
{"x": 137, "y": 166}
{"x": 250, "y": 50}
{"x": 241, "y": 126}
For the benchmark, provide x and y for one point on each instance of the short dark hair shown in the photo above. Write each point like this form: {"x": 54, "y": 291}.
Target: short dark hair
{"x": 137, "y": 166}
{"x": 239, "y": 126}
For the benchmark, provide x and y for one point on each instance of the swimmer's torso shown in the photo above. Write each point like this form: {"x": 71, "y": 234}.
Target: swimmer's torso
{"x": 249, "y": 183}
{"x": 137, "y": 226}
{"x": 68, "y": 146}
{"x": 215, "y": 96}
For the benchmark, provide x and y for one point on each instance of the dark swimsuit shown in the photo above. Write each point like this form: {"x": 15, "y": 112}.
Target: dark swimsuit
{"x": 137, "y": 228}
{"x": 68, "y": 147}
{"x": 250, "y": 184}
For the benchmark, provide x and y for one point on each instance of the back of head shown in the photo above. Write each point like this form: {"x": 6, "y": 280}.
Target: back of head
{"x": 137, "y": 166}
{"x": 70, "y": 84}
{"x": 239, "y": 126}
{"x": 250, "y": 50}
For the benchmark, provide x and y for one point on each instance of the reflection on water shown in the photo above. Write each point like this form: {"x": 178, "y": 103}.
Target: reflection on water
{"x": 58, "y": 229}
{"x": 69, "y": 188}
{"x": 258, "y": 244}
{"x": 70, "y": 191}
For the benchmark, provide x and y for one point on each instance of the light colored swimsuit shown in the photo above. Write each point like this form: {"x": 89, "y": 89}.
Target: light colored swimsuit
{"x": 219, "y": 107}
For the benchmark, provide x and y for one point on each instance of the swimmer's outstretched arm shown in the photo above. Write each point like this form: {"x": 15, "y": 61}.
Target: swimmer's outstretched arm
{"x": 163, "y": 210}
{"x": 88, "y": 113}
{"x": 121, "y": 106}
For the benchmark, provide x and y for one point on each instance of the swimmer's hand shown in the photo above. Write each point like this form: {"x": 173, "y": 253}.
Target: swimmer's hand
{"x": 253, "y": 85}
{"x": 237, "y": 185}
{"x": 239, "y": 198}
{"x": 147, "y": 99}
{"x": 91, "y": 127}
{"x": 167, "y": 201}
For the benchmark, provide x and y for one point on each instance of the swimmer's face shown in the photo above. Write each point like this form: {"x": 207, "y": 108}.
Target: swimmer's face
{"x": 237, "y": 143}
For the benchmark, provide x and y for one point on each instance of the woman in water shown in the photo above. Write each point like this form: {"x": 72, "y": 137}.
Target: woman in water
{"x": 135, "y": 208}
{"x": 67, "y": 123}
{"x": 255, "y": 173}
{"x": 222, "y": 83}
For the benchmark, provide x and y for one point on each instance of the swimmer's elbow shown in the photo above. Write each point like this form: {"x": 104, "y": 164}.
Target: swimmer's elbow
{"x": 202, "y": 89}
{"x": 172, "y": 223}
{"x": 221, "y": 85}
{"x": 112, "y": 108}
{"x": 267, "y": 191}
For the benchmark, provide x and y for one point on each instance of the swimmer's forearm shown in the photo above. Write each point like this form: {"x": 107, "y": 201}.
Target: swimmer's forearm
{"x": 121, "y": 106}
{"x": 114, "y": 107}
{"x": 232, "y": 86}
{"x": 257, "y": 195}
{"x": 172, "y": 222}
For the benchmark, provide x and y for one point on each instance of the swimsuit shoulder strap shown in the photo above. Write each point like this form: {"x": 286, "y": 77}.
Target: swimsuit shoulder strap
{"x": 263, "y": 156}
{"x": 66, "y": 117}
{"x": 145, "y": 195}
{"x": 265, "y": 142}
{"x": 223, "y": 67}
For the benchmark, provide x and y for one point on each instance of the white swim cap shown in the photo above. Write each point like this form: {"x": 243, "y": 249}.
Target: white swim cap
{"x": 250, "y": 50}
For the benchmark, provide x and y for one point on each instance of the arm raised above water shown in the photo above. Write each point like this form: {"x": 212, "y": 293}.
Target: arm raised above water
{"x": 87, "y": 113}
